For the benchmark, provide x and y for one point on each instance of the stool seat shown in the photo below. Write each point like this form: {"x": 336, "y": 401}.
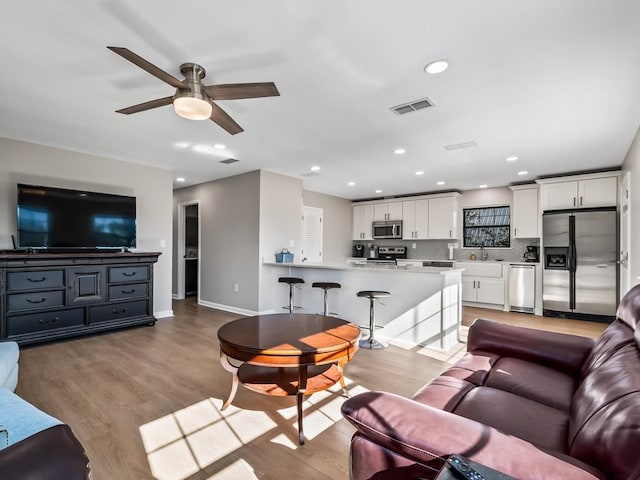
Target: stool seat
{"x": 290, "y": 280}
{"x": 326, "y": 285}
{"x": 373, "y": 294}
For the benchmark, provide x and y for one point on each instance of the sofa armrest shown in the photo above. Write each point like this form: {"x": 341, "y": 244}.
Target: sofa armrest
{"x": 422, "y": 433}
{"x": 52, "y": 454}
{"x": 559, "y": 351}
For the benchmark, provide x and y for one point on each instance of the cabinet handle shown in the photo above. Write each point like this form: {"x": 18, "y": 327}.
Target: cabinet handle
{"x": 574, "y": 201}
{"x": 474, "y": 284}
{"x": 478, "y": 283}
{"x": 125, "y": 274}
{"x": 45, "y": 322}
{"x": 36, "y": 280}
{"x": 119, "y": 312}
{"x": 449, "y": 233}
{"x": 127, "y": 292}
{"x": 43, "y": 299}
{"x": 515, "y": 232}
{"x": 580, "y": 201}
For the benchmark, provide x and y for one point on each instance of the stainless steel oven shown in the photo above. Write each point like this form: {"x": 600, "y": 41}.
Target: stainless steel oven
{"x": 390, "y": 229}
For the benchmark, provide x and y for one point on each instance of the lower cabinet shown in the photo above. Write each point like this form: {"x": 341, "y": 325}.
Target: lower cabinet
{"x": 48, "y": 296}
{"x": 483, "y": 283}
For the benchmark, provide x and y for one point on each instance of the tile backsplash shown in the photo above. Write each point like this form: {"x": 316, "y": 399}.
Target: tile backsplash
{"x": 438, "y": 249}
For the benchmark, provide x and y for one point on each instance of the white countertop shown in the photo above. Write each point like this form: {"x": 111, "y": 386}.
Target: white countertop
{"x": 368, "y": 267}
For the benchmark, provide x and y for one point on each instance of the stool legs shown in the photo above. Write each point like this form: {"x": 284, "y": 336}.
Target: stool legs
{"x": 325, "y": 303}
{"x": 372, "y": 343}
{"x": 291, "y": 307}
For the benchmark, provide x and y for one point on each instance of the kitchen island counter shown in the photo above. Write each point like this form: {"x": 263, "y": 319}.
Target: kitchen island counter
{"x": 424, "y": 308}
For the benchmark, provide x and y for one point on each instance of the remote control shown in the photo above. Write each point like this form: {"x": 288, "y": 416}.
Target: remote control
{"x": 460, "y": 468}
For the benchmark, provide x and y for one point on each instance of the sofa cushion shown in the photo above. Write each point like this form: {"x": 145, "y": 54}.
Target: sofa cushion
{"x": 533, "y": 381}
{"x": 443, "y": 392}
{"x": 616, "y": 336}
{"x": 605, "y": 415}
{"x": 9, "y": 353}
{"x": 518, "y": 416}
{"x": 20, "y": 418}
{"x": 473, "y": 367}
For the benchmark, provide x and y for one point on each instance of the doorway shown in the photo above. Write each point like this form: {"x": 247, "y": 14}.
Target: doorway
{"x": 188, "y": 252}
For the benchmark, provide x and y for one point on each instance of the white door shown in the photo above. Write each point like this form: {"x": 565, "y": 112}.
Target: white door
{"x": 311, "y": 235}
{"x": 442, "y": 213}
{"x": 525, "y": 213}
{"x": 559, "y": 195}
{"x": 490, "y": 290}
{"x": 598, "y": 192}
{"x": 409, "y": 220}
{"x": 422, "y": 219}
{"x": 469, "y": 289}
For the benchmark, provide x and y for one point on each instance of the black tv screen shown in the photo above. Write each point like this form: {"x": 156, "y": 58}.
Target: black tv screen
{"x": 59, "y": 218}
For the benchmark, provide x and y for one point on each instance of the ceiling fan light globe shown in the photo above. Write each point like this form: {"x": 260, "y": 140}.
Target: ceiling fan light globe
{"x": 192, "y": 108}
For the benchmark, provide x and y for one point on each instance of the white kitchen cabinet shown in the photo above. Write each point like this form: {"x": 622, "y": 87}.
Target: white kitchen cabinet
{"x": 482, "y": 283}
{"x": 387, "y": 211}
{"x": 442, "y": 218}
{"x": 362, "y": 219}
{"x": 524, "y": 220}
{"x": 415, "y": 218}
{"x": 584, "y": 193}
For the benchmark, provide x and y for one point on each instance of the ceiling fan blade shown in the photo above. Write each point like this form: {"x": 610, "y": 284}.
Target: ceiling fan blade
{"x": 233, "y": 91}
{"x": 141, "y": 107}
{"x": 223, "y": 119}
{"x": 148, "y": 66}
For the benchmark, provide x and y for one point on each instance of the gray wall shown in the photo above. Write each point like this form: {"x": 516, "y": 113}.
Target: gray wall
{"x": 336, "y": 231}
{"x": 36, "y": 164}
{"x": 631, "y": 166}
{"x": 229, "y": 249}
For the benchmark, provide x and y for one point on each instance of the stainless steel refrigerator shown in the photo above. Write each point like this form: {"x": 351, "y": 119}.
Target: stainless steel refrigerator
{"x": 580, "y": 269}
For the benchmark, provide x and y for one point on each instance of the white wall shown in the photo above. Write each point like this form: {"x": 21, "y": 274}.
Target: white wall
{"x": 336, "y": 230}
{"x": 631, "y": 165}
{"x": 37, "y": 164}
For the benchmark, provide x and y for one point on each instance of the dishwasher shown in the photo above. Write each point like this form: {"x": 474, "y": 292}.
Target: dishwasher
{"x": 522, "y": 286}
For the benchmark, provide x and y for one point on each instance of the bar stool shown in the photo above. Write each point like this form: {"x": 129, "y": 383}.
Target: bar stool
{"x": 291, "y": 281}
{"x": 326, "y": 286}
{"x": 372, "y": 295}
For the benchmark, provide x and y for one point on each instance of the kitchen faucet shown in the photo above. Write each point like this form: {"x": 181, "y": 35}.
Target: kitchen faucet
{"x": 483, "y": 253}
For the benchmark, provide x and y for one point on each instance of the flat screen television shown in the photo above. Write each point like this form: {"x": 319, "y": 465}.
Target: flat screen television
{"x": 57, "y": 218}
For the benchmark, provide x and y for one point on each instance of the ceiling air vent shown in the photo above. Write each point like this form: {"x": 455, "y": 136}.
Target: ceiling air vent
{"x": 309, "y": 174}
{"x": 229, "y": 161}
{"x": 412, "y": 106}
{"x": 460, "y": 146}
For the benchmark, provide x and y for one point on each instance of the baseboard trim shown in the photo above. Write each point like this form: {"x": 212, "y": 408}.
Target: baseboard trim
{"x": 229, "y": 308}
{"x": 175, "y": 296}
{"x": 163, "y": 314}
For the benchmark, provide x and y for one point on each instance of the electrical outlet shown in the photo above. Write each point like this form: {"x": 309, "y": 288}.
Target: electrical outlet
{"x": 236, "y": 287}
{"x": 163, "y": 243}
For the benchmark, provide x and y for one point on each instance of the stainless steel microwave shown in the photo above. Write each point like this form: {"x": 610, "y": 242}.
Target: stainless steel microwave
{"x": 389, "y": 229}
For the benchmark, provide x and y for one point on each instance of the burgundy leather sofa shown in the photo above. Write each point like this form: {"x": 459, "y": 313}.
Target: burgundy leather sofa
{"x": 531, "y": 404}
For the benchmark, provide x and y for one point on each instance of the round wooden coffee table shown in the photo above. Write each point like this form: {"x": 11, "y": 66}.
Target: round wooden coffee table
{"x": 287, "y": 354}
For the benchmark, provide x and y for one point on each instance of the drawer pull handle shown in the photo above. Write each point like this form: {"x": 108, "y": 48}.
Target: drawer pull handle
{"x": 43, "y": 299}
{"x": 45, "y": 322}
{"x": 119, "y": 312}
{"x": 36, "y": 280}
{"x": 127, "y": 292}
{"x": 127, "y": 274}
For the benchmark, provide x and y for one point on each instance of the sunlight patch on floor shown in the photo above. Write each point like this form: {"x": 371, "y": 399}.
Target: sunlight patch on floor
{"x": 282, "y": 439}
{"x": 237, "y": 470}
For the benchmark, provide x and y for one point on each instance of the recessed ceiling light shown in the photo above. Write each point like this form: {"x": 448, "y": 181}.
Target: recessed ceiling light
{"x": 441, "y": 182}
{"x": 351, "y": 184}
{"x": 399, "y": 151}
{"x": 523, "y": 172}
{"x": 180, "y": 179}
{"x": 378, "y": 191}
{"x": 511, "y": 159}
{"x": 419, "y": 172}
{"x": 482, "y": 186}
{"x": 181, "y": 144}
{"x": 315, "y": 168}
{"x": 219, "y": 146}
{"x": 437, "y": 66}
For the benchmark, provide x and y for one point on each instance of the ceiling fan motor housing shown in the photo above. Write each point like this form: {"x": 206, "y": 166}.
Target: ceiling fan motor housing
{"x": 192, "y": 102}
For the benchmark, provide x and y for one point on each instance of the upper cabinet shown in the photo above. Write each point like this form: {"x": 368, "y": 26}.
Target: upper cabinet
{"x": 524, "y": 214}
{"x": 585, "y": 191}
{"x": 415, "y": 218}
{"x": 443, "y": 217}
{"x": 387, "y": 211}
{"x": 362, "y": 219}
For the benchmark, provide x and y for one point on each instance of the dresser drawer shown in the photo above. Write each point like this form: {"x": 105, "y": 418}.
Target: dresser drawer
{"x": 132, "y": 290}
{"x": 118, "y": 311}
{"x": 36, "y": 279}
{"x": 128, "y": 274}
{"x": 33, "y": 300}
{"x": 39, "y": 322}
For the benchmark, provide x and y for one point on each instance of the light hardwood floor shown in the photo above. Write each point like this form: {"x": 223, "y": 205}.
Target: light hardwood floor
{"x": 145, "y": 401}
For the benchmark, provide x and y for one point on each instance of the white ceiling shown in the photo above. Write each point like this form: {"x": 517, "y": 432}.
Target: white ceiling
{"x": 556, "y": 83}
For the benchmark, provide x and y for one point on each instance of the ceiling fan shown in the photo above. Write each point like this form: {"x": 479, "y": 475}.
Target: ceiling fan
{"x": 192, "y": 99}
